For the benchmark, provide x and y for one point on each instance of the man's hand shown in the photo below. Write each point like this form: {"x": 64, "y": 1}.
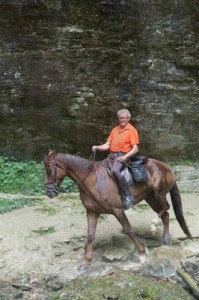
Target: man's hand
{"x": 121, "y": 158}
{"x": 131, "y": 153}
{"x": 94, "y": 148}
{"x": 103, "y": 147}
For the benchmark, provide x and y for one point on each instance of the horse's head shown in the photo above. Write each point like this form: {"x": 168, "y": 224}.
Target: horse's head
{"x": 54, "y": 174}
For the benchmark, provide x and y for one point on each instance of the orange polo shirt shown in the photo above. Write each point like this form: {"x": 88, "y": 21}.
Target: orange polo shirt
{"x": 122, "y": 140}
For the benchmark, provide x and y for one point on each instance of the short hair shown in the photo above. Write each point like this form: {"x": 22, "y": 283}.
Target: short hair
{"x": 124, "y": 111}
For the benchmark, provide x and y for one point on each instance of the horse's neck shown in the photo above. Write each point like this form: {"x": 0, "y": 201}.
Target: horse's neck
{"x": 77, "y": 167}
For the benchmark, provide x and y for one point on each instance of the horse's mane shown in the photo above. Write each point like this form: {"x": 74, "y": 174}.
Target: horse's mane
{"x": 75, "y": 162}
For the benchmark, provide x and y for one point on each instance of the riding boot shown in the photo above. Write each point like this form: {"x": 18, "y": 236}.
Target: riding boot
{"x": 126, "y": 196}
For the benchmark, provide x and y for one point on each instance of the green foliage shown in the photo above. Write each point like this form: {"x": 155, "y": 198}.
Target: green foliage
{"x": 142, "y": 207}
{"x": 69, "y": 186}
{"x": 186, "y": 191}
{"x": 130, "y": 44}
{"x": 21, "y": 177}
{"x": 102, "y": 218}
{"x": 49, "y": 210}
{"x": 43, "y": 231}
{"x": 181, "y": 162}
{"x": 26, "y": 178}
{"x": 10, "y": 204}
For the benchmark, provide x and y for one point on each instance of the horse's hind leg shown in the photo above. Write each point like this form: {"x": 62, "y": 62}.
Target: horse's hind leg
{"x": 122, "y": 218}
{"x": 160, "y": 205}
{"x": 166, "y": 236}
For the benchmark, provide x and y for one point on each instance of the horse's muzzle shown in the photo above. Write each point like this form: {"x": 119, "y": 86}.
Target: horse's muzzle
{"x": 51, "y": 193}
{"x": 51, "y": 190}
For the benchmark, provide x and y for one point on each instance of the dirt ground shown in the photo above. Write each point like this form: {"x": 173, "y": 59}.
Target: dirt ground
{"x": 49, "y": 238}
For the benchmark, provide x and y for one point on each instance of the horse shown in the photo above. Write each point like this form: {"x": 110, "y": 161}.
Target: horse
{"x": 100, "y": 194}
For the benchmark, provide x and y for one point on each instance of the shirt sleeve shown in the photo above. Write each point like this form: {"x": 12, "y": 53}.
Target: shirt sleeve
{"x": 134, "y": 138}
{"x": 110, "y": 137}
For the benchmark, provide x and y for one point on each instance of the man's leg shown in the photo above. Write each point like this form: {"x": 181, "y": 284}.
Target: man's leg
{"x": 126, "y": 196}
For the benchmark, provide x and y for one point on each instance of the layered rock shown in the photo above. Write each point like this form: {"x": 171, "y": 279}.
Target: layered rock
{"x": 68, "y": 66}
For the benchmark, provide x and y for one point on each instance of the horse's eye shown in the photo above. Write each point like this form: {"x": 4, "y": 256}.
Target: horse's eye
{"x": 49, "y": 171}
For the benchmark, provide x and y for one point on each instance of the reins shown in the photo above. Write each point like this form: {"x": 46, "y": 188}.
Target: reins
{"x": 91, "y": 161}
{"x": 92, "y": 158}
{"x": 52, "y": 185}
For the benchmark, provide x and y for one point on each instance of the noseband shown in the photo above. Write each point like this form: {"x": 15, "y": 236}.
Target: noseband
{"x": 53, "y": 186}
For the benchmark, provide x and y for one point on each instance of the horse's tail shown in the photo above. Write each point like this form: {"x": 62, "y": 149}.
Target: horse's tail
{"x": 177, "y": 207}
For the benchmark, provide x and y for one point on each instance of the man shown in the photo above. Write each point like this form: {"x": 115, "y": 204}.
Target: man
{"x": 122, "y": 143}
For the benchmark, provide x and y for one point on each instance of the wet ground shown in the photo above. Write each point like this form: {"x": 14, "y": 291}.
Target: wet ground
{"x": 42, "y": 247}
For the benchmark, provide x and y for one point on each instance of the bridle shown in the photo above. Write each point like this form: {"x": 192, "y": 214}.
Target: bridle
{"x": 52, "y": 185}
{"x": 91, "y": 161}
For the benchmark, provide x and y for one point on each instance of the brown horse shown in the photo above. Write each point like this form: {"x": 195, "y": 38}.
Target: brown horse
{"x": 100, "y": 194}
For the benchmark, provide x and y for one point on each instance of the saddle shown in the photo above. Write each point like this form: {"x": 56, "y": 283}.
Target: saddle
{"x": 134, "y": 172}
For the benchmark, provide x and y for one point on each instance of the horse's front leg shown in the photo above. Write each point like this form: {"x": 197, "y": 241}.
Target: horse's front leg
{"x": 92, "y": 224}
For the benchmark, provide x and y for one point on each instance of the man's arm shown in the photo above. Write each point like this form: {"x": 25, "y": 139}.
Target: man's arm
{"x": 132, "y": 152}
{"x": 103, "y": 147}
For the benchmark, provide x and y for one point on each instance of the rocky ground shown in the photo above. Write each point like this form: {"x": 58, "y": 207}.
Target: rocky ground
{"x": 42, "y": 247}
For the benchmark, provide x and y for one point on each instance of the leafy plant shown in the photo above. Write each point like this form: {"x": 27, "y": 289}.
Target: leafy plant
{"x": 182, "y": 162}
{"x": 143, "y": 206}
{"x": 42, "y": 230}
{"x": 21, "y": 177}
{"x": 10, "y": 204}
{"x": 26, "y": 178}
{"x": 102, "y": 218}
{"x": 49, "y": 210}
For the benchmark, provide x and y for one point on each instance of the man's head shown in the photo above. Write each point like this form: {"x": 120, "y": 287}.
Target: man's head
{"x": 123, "y": 117}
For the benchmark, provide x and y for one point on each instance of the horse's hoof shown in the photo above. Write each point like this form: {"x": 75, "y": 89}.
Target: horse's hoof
{"x": 83, "y": 267}
{"x": 142, "y": 259}
{"x": 166, "y": 240}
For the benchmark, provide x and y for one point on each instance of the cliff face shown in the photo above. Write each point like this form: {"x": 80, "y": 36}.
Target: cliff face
{"x": 68, "y": 66}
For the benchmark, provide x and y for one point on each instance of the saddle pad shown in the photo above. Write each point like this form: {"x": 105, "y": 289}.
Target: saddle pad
{"x": 138, "y": 173}
{"x": 134, "y": 173}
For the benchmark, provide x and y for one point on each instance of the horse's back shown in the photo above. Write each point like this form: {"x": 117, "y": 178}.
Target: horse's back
{"x": 160, "y": 174}
{"x": 157, "y": 165}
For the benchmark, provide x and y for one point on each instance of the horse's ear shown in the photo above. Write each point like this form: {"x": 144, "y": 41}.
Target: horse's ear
{"x": 52, "y": 153}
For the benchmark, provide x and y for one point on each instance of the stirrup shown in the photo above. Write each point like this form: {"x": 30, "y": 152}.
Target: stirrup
{"x": 127, "y": 201}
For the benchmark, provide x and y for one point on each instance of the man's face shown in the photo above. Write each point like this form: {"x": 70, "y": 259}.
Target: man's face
{"x": 123, "y": 119}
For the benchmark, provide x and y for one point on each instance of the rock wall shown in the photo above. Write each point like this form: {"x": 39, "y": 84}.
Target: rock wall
{"x": 66, "y": 67}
